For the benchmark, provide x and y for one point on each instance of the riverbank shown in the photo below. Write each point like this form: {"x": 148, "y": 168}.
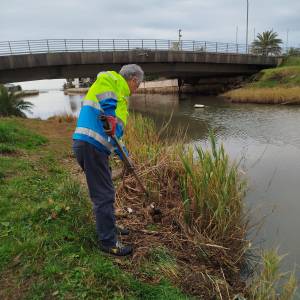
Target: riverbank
{"x": 146, "y": 87}
{"x": 280, "y": 85}
{"x": 194, "y": 246}
{"x": 204, "y": 86}
{"x": 27, "y": 93}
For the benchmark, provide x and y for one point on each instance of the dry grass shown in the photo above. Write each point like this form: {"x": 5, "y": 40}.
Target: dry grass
{"x": 201, "y": 221}
{"x": 276, "y": 95}
{"x": 64, "y": 118}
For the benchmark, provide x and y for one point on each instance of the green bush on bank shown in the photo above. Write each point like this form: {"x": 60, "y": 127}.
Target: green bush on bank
{"x": 12, "y": 105}
{"x": 285, "y": 75}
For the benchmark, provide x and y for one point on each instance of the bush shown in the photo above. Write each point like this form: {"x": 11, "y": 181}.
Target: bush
{"x": 11, "y": 105}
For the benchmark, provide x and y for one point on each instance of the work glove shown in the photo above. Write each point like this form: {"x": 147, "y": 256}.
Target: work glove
{"x": 112, "y": 122}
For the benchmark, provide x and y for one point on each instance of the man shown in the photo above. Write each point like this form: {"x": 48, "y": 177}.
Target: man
{"x": 93, "y": 144}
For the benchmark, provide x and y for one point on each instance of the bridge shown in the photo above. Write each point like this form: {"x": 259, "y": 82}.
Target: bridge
{"x": 73, "y": 58}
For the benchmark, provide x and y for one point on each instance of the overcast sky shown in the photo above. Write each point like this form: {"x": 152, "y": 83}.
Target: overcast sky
{"x": 211, "y": 20}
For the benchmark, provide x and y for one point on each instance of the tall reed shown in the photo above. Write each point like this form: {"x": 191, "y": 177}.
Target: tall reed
{"x": 211, "y": 190}
{"x": 269, "y": 284}
{"x": 201, "y": 195}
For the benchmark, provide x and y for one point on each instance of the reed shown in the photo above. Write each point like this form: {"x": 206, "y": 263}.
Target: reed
{"x": 211, "y": 191}
{"x": 203, "y": 224}
{"x": 276, "y": 95}
{"x": 270, "y": 284}
{"x": 200, "y": 196}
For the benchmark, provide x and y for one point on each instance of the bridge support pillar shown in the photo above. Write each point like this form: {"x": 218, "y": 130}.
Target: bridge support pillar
{"x": 180, "y": 85}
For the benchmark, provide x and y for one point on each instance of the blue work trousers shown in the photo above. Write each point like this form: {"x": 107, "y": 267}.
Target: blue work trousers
{"x": 95, "y": 165}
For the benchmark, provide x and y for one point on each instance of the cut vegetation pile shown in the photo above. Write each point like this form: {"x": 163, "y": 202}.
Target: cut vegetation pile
{"x": 280, "y": 85}
{"x": 192, "y": 247}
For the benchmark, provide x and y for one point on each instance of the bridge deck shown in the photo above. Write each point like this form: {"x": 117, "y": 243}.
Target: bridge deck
{"x": 186, "y": 61}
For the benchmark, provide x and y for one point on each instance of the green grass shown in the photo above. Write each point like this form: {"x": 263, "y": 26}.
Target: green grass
{"x": 291, "y": 61}
{"x": 285, "y": 75}
{"x": 13, "y": 136}
{"x": 275, "y": 86}
{"x": 48, "y": 246}
{"x": 288, "y": 76}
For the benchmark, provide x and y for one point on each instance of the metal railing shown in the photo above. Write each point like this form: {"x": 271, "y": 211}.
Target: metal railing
{"x": 103, "y": 45}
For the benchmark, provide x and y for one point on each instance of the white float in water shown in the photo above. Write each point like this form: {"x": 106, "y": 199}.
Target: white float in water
{"x": 199, "y": 106}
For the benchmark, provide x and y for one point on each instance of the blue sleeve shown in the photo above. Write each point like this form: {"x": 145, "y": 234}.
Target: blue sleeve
{"x": 109, "y": 106}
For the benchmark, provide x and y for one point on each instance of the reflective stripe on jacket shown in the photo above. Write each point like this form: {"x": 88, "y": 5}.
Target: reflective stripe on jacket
{"x": 108, "y": 95}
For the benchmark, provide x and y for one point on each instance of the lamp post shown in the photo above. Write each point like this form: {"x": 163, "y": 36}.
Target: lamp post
{"x": 247, "y": 26}
{"x": 179, "y": 39}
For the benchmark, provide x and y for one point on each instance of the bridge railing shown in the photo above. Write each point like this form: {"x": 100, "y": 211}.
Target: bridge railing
{"x": 102, "y": 45}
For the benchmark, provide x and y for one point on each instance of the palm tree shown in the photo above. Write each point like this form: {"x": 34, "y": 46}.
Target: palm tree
{"x": 11, "y": 105}
{"x": 267, "y": 43}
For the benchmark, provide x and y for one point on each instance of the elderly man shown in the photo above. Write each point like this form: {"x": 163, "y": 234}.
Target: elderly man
{"x": 92, "y": 146}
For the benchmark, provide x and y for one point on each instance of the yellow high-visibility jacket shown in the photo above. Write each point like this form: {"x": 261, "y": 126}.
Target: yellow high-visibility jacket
{"x": 108, "y": 95}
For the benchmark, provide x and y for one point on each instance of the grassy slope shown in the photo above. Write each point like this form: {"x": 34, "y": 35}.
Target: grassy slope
{"x": 47, "y": 241}
{"x": 277, "y": 85}
{"x": 286, "y": 75}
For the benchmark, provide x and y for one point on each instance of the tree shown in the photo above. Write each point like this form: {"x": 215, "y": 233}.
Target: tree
{"x": 267, "y": 43}
{"x": 12, "y": 105}
{"x": 293, "y": 51}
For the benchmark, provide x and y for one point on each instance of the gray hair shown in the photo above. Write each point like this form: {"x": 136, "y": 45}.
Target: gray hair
{"x": 132, "y": 70}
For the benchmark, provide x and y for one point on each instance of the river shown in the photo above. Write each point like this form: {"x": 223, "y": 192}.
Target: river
{"x": 264, "y": 138}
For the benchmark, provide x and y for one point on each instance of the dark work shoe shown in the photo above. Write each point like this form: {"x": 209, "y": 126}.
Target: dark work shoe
{"x": 122, "y": 231}
{"x": 118, "y": 249}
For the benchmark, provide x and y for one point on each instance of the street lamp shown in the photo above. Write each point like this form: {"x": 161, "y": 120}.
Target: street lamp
{"x": 179, "y": 39}
{"x": 247, "y": 26}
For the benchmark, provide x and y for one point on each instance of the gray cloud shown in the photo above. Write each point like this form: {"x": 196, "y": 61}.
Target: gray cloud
{"x": 214, "y": 20}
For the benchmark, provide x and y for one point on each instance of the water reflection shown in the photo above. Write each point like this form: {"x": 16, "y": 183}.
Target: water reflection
{"x": 47, "y": 104}
{"x": 75, "y": 101}
{"x": 161, "y": 107}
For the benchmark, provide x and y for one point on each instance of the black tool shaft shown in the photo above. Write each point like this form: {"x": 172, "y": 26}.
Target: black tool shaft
{"x": 126, "y": 160}
{"x": 129, "y": 164}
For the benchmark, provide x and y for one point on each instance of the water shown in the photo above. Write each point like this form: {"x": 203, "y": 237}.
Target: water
{"x": 265, "y": 139}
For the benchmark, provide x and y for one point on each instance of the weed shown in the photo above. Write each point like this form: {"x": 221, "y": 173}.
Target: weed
{"x": 268, "y": 284}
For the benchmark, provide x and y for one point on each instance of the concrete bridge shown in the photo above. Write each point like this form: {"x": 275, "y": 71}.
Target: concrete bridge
{"x": 187, "y": 60}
